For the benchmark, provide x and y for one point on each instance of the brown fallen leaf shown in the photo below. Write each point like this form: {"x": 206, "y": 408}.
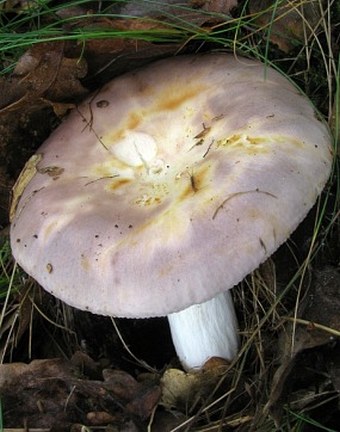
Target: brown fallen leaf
{"x": 86, "y": 365}
{"x": 166, "y": 421}
{"x": 293, "y": 21}
{"x": 122, "y": 384}
{"x": 144, "y": 402}
{"x": 11, "y": 91}
{"x": 53, "y": 393}
{"x": 184, "y": 389}
{"x": 111, "y": 56}
{"x": 43, "y": 73}
{"x": 98, "y": 418}
{"x": 142, "y": 396}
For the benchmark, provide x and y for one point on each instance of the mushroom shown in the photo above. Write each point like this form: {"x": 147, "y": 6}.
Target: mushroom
{"x": 168, "y": 186}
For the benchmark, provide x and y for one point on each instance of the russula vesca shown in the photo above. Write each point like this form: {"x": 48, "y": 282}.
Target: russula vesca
{"x": 166, "y": 188}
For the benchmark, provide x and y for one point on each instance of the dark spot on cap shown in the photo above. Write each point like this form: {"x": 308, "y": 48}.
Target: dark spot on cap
{"x": 263, "y": 245}
{"x": 102, "y": 103}
{"x": 52, "y": 171}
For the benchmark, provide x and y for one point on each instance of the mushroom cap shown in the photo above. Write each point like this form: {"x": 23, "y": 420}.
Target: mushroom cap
{"x": 169, "y": 185}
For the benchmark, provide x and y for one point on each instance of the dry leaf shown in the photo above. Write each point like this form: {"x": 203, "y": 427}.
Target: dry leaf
{"x": 50, "y": 393}
{"x": 112, "y": 56}
{"x": 293, "y": 21}
{"x": 178, "y": 388}
{"x": 98, "y": 418}
{"x": 144, "y": 402}
{"x": 24, "y": 178}
{"x": 183, "y": 389}
{"x": 166, "y": 421}
{"x": 120, "y": 383}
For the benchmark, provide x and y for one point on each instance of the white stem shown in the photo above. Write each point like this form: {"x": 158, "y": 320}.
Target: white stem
{"x": 205, "y": 330}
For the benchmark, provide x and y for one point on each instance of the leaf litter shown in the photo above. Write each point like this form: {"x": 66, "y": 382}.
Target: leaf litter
{"x": 56, "y": 392}
{"x": 317, "y": 325}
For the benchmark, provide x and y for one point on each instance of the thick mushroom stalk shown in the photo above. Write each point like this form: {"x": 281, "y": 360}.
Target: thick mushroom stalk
{"x": 205, "y": 330}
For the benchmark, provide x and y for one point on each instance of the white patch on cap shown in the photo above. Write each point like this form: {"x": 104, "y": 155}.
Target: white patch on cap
{"x": 135, "y": 149}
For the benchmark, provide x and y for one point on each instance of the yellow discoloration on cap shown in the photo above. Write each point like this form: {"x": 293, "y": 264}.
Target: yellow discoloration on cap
{"x": 118, "y": 183}
{"x": 117, "y": 172}
{"x": 85, "y": 263}
{"x": 253, "y": 213}
{"x": 111, "y": 165}
{"x": 197, "y": 179}
{"x": 131, "y": 122}
{"x": 146, "y": 200}
{"x": 134, "y": 120}
{"x": 258, "y": 144}
{"x": 245, "y": 143}
{"x": 170, "y": 99}
{"x": 173, "y": 96}
{"x": 169, "y": 225}
{"x": 152, "y": 194}
{"x": 49, "y": 229}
